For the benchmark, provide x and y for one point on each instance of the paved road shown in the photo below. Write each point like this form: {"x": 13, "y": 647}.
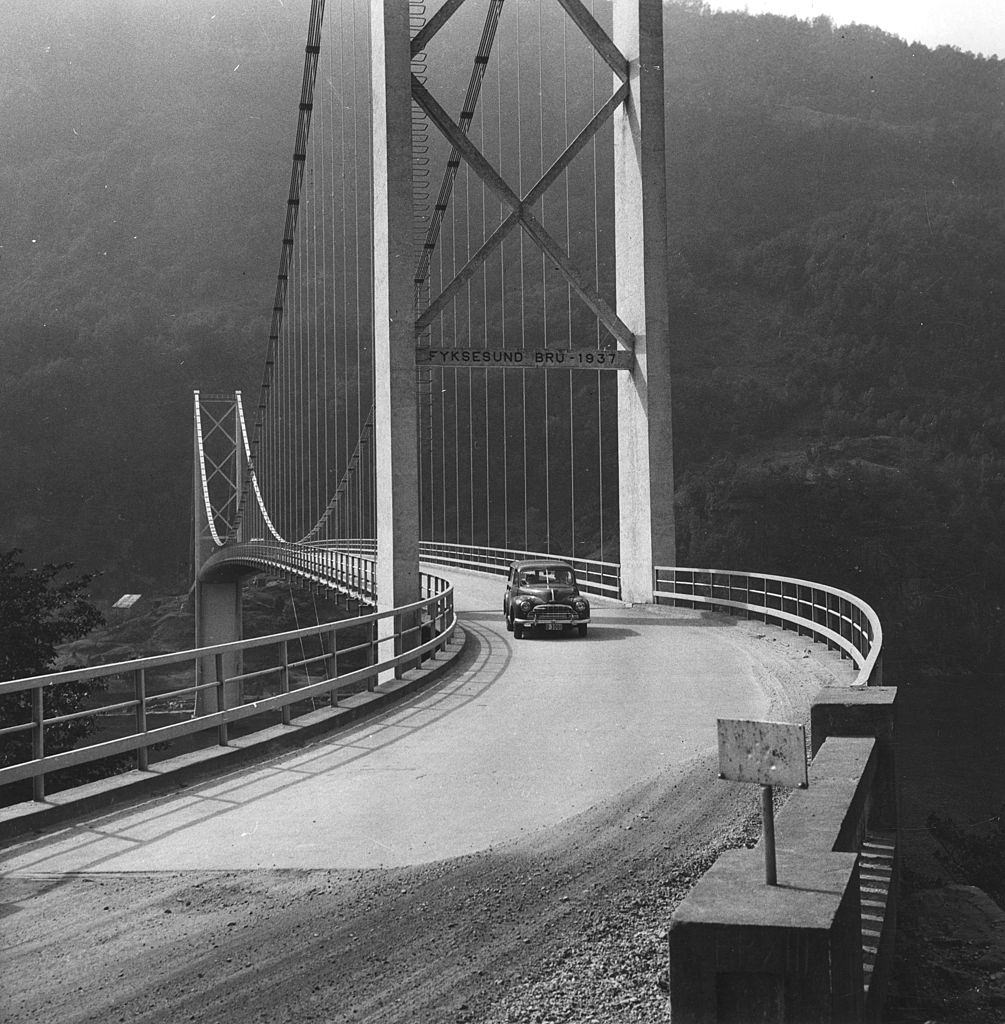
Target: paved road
{"x": 520, "y": 735}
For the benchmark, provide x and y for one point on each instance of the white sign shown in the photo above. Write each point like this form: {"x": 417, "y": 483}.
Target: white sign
{"x": 524, "y": 358}
{"x": 769, "y": 753}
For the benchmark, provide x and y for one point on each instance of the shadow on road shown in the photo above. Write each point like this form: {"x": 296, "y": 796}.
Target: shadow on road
{"x": 101, "y": 840}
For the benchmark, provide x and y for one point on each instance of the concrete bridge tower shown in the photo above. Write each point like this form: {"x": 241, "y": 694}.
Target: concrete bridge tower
{"x": 216, "y": 486}
{"x": 645, "y": 442}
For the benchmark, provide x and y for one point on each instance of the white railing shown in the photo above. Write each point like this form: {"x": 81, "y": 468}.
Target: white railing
{"x": 348, "y": 567}
{"x": 834, "y": 617}
{"x": 419, "y": 630}
{"x": 593, "y": 576}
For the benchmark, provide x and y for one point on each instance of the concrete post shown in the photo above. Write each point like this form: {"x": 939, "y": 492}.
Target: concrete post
{"x": 645, "y": 440}
{"x": 394, "y": 318}
{"x": 744, "y": 952}
{"x": 870, "y": 711}
{"x": 863, "y": 711}
{"x": 218, "y": 620}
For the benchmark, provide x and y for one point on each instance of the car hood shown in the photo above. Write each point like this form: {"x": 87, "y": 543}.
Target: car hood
{"x": 559, "y": 594}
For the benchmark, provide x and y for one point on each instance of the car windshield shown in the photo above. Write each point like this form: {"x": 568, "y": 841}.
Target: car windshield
{"x": 546, "y": 576}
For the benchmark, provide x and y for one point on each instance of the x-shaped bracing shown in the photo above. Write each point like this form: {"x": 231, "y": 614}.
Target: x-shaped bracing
{"x": 221, "y": 468}
{"x": 521, "y": 209}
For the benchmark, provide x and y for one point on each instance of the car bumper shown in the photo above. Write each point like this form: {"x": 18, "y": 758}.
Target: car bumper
{"x": 517, "y": 621}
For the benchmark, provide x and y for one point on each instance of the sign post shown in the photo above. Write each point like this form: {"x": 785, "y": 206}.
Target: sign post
{"x": 769, "y": 754}
{"x": 768, "y": 835}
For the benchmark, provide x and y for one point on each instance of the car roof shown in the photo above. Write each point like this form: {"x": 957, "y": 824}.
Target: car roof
{"x": 541, "y": 563}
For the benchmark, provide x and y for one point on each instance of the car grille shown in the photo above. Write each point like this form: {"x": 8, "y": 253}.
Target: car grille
{"x": 553, "y": 613}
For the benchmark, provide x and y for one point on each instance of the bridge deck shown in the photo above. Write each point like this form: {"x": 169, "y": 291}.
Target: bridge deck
{"x": 517, "y": 736}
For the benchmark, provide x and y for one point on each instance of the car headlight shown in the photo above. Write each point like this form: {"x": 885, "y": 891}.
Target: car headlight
{"x": 525, "y": 605}
{"x": 580, "y": 605}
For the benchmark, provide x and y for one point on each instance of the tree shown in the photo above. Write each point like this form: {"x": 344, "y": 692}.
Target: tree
{"x": 40, "y": 609}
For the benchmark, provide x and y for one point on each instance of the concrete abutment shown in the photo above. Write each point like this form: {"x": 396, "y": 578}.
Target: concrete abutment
{"x": 817, "y": 946}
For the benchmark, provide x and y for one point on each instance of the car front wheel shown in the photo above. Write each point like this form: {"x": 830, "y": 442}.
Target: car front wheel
{"x": 582, "y": 629}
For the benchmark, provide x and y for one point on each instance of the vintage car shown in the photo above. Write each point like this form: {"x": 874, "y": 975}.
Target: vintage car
{"x": 542, "y": 594}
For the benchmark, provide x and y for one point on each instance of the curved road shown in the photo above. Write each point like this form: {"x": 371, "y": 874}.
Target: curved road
{"x": 516, "y": 736}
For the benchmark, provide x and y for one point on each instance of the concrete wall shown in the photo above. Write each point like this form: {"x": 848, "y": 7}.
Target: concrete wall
{"x": 815, "y": 947}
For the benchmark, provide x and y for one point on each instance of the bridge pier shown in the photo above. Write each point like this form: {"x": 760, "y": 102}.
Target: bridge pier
{"x": 218, "y": 620}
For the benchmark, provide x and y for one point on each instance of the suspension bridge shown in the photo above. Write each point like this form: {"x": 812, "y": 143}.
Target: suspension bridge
{"x": 467, "y": 363}
{"x": 470, "y": 311}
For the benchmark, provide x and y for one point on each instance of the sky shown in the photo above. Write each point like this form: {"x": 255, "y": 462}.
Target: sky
{"x": 974, "y": 25}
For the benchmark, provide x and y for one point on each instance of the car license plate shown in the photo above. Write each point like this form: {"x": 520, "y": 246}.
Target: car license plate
{"x": 554, "y": 625}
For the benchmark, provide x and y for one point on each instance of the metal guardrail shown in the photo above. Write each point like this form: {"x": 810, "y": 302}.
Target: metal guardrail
{"x": 834, "y": 617}
{"x": 593, "y": 576}
{"x": 418, "y": 631}
{"x": 346, "y": 566}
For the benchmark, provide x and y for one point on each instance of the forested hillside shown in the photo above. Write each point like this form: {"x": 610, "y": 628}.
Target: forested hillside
{"x": 837, "y": 256}
{"x": 840, "y": 307}
{"x": 145, "y": 157}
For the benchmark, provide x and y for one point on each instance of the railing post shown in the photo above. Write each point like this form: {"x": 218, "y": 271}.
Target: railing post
{"x": 435, "y": 617}
{"x": 374, "y": 654}
{"x": 140, "y": 692}
{"x": 398, "y": 641}
{"x": 876, "y": 677}
{"x": 332, "y": 660}
{"x": 427, "y": 624}
{"x": 38, "y": 741}
{"x": 284, "y": 679}
{"x": 221, "y": 699}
